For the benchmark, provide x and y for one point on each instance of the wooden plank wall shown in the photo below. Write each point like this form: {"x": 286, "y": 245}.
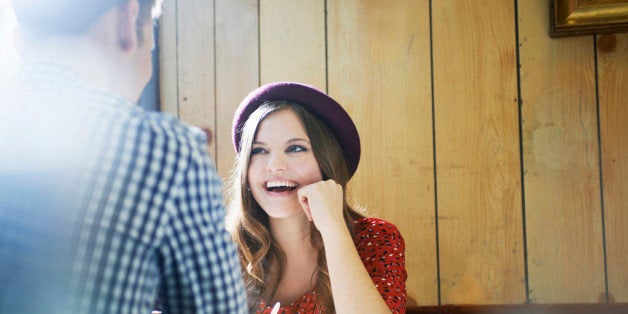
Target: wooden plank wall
{"x": 500, "y": 153}
{"x": 560, "y": 155}
{"x": 379, "y": 68}
{"x": 612, "y": 74}
{"x": 477, "y": 152}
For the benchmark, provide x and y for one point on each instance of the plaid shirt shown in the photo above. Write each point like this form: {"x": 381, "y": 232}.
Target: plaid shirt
{"x": 106, "y": 208}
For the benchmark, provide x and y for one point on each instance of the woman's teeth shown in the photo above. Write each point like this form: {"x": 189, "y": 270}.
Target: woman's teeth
{"x": 280, "y": 186}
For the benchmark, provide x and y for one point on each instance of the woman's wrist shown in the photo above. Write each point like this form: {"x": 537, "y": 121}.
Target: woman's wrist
{"x": 334, "y": 235}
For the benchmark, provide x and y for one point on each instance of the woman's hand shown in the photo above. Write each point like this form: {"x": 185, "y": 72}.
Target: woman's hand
{"x": 354, "y": 291}
{"x": 322, "y": 203}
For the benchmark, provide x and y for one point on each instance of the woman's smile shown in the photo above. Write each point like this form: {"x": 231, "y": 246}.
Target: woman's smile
{"x": 279, "y": 186}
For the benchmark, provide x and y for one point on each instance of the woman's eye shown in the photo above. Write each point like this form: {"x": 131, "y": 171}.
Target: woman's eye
{"x": 257, "y": 150}
{"x": 296, "y": 149}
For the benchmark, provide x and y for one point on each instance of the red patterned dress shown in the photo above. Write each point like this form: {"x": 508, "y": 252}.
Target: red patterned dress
{"x": 382, "y": 250}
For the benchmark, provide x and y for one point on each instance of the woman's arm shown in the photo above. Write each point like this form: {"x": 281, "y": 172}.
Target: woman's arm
{"x": 353, "y": 288}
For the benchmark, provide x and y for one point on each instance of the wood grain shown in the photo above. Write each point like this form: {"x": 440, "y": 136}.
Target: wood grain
{"x": 237, "y": 69}
{"x": 195, "y": 55}
{"x": 562, "y": 190}
{"x": 613, "y": 101}
{"x": 379, "y": 71}
{"x": 292, "y": 41}
{"x": 168, "y": 65}
{"x": 477, "y": 152}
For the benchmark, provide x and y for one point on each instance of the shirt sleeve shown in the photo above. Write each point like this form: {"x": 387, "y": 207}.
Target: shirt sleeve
{"x": 201, "y": 271}
{"x": 382, "y": 250}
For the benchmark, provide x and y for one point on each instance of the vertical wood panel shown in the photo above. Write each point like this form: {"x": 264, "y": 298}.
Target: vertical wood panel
{"x": 237, "y": 66}
{"x": 477, "y": 152}
{"x": 562, "y": 196}
{"x": 168, "y": 59}
{"x": 195, "y": 56}
{"x": 292, "y": 41}
{"x": 613, "y": 99}
{"x": 379, "y": 69}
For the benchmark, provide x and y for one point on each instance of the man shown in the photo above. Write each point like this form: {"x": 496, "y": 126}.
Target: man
{"x": 104, "y": 208}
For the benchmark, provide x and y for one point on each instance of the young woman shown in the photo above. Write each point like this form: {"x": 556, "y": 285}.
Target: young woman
{"x": 301, "y": 245}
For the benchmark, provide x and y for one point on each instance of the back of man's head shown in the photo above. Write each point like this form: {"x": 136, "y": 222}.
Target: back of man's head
{"x": 39, "y": 19}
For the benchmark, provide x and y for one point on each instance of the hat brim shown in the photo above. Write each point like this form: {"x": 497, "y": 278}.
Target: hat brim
{"x": 312, "y": 99}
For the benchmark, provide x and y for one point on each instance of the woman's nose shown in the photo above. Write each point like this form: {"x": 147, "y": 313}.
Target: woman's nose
{"x": 276, "y": 162}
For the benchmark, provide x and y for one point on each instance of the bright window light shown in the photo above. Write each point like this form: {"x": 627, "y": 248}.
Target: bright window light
{"x": 8, "y": 58}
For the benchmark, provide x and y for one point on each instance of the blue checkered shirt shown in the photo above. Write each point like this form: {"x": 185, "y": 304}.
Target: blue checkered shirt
{"x": 106, "y": 208}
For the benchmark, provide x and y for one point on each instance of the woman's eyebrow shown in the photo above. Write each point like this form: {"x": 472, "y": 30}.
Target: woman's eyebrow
{"x": 297, "y": 139}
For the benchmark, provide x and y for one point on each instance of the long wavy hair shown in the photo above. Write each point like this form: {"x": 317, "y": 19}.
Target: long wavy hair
{"x": 248, "y": 223}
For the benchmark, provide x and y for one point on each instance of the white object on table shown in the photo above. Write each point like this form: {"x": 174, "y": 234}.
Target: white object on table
{"x": 275, "y": 309}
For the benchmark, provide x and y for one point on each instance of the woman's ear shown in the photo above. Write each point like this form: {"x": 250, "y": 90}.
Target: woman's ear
{"x": 127, "y": 25}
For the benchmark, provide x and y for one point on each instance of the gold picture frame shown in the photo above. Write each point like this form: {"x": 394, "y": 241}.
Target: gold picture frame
{"x": 588, "y": 17}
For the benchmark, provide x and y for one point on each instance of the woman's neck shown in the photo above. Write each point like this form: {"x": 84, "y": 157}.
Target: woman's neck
{"x": 299, "y": 271}
{"x": 292, "y": 235}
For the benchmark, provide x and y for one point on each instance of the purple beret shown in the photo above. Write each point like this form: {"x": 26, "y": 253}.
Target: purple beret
{"x": 314, "y": 100}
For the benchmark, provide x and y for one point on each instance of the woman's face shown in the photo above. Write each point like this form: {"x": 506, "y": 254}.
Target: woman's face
{"x": 281, "y": 162}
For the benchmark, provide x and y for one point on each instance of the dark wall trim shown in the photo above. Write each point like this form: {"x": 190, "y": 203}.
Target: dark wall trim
{"x": 585, "y": 308}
